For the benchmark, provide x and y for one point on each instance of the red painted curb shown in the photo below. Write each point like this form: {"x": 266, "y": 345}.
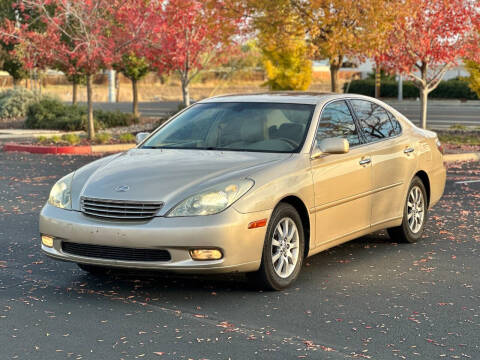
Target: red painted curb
{"x": 73, "y": 150}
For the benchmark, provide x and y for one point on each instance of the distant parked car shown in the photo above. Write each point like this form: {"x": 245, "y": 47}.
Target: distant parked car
{"x": 248, "y": 183}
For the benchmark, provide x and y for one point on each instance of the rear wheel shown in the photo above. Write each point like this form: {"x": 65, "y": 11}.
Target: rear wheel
{"x": 283, "y": 250}
{"x": 414, "y": 214}
{"x": 94, "y": 269}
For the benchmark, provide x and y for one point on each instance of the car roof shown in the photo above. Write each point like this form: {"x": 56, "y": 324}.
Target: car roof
{"x": 293, "y": 97}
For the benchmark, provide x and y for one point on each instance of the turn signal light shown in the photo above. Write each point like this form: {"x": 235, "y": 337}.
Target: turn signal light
{"x": 47, "y": 240}
{"x": 257, "y": 224}
{"x": 206, "y": 254}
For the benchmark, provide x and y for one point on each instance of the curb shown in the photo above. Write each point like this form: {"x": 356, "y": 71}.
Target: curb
{"x": 68, "y": 150}
{"x": 96, "y": 149}
{"x": 461, "y": 157}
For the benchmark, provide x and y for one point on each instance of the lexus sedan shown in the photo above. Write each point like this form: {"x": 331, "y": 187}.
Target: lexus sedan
{"x": 248, "y": 183}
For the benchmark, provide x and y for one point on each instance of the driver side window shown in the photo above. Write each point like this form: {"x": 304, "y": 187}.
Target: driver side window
{"x": 337, "y": 121}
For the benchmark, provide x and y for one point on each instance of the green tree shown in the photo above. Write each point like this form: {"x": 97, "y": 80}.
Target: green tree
{"x": 287, "y": 66}
{"x": 9, "y": 62}
{"x": 281, "y": 38}
{"x": 474, "y": 78}
{"x": 134, "y": 68}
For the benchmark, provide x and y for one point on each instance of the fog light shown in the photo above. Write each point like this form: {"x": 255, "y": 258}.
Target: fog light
{"x": 206, "y": 254}
{"x": 47, "y": 240}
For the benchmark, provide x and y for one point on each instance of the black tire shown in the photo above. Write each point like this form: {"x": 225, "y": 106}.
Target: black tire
{"x": 94, "y": 269}
{"x": 404, "y": 233}
{"x": 266, "y": 277}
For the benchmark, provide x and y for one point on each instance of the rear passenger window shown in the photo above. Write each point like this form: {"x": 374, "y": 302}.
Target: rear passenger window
{"x": 397, "y": 128}
{"x": 337, "y": 121}
{"x": 374, "y": 120}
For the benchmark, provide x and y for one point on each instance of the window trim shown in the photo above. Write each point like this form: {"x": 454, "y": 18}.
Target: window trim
{"x": 389, "y": 118}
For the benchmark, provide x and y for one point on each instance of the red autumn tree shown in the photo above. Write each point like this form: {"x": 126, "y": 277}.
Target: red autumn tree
{"x": 83, "y": 36}
{"x": 199, "y": 33}
{"x": 430, "y": 40}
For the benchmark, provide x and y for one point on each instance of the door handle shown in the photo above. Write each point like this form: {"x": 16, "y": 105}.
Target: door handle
{"x": 409, "y": 150}
{"x": 365, "y": 161}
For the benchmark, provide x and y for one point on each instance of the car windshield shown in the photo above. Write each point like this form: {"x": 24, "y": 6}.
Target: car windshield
{"x": 263, "y": 127}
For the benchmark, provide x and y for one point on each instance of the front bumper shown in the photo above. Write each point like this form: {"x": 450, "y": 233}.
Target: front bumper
{"x": 227, "y": 231}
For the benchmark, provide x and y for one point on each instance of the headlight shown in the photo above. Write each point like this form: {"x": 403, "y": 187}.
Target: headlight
{"x": 212, "y": 201}
{"x": 60, "y": 195}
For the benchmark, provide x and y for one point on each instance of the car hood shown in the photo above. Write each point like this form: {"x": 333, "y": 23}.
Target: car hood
{"x": 169, "y": 175}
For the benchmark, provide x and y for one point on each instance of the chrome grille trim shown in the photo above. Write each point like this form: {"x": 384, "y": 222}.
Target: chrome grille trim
{"x": 119, "y": 209}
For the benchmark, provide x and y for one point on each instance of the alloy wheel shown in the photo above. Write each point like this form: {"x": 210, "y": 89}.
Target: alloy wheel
{"x": 415, "y": 209}
{"x": 285, "y": 247}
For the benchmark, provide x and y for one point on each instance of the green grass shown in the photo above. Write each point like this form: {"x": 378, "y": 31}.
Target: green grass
{"x": 458, "y": 127}
{"x": 127, "y": 138}
{"x": 463, "y": 139}
{"x": 103, "y": 138}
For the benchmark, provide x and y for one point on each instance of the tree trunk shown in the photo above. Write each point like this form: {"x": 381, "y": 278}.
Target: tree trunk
{"x": 424, "y": 94}
{"x": 74, "y": 91}
{"x": 335, "y": 65}
{"x": 185, "y": 93}
{"x": 15, "y": 82}
{"x": 377, "y": 81}
{"x": 91, "y": 125}
{"x": 423, "y": 100}
{"x": 135, "y": 98}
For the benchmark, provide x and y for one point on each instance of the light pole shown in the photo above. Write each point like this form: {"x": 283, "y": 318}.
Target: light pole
{"x": 400, "y": 87}
{"x": 111, "y": 86}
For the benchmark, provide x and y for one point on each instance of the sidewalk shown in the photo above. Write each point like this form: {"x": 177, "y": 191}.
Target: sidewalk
{"x": 7, "y": 135}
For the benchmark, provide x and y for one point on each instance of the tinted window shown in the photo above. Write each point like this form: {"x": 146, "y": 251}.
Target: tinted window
{"x": 374, "y": 120}
{"x": 264, "y": 127}
{"x": 397, "y": 129}
{"x": 337, "y": 121}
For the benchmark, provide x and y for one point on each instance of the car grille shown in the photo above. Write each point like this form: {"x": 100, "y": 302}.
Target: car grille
{"x": 115, "y": 253}
{"x": 120, "y": 209}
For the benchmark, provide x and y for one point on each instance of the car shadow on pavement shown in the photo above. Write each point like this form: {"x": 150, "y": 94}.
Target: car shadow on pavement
{"x": 318, "y": 266}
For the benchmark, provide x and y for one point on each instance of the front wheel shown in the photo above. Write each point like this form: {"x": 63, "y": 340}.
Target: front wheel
{"x": 283, "y": 250}
{"x": 414, "y": 214}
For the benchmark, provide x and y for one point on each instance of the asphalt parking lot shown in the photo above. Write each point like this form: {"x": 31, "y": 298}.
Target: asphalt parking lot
{"x": 367, "y": 299}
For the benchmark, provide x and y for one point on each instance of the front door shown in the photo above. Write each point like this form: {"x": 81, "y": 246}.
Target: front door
{"x": 342, "y": 182}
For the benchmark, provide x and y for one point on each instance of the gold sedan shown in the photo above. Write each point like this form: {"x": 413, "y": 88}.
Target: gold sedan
{"x": 248, "y": 183}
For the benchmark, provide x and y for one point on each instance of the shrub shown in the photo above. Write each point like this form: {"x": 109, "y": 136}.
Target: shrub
{"x": 14, "y": 103}
{"x": 103, "y": 138}
{"x": 114, "y": 118}
{"x": 72, "y": 139}
{"x": 449, "y": 89}
{"x": 454, "y": 89}
{"x": 42, "y": 140}
{"x": 127, "y": 138}
{"x": 56, "y": 139}
{"x": 50, "y": 113}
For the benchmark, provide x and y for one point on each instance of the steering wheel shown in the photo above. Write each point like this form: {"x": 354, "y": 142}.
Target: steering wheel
{"x": 290, "y": 142}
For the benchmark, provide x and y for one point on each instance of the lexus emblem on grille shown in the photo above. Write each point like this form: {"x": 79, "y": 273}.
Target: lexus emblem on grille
{"x": 122, "y": 188}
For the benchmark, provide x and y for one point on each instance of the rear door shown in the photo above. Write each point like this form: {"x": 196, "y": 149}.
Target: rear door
{"x": 393, "y": 159}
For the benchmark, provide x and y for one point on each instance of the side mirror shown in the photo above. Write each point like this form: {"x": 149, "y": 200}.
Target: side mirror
{"x": 141, "y": 136}
{"x": 330, "y": 146}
